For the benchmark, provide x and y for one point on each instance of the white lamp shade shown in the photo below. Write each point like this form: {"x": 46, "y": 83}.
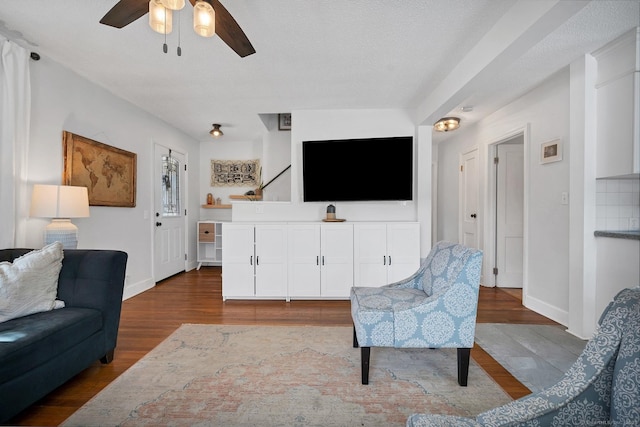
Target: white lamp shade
{"x": 173, "y": 4}
{"x": 160, "y": 18}
{"x": 204, "y": 19}
{"x": 59, "y": 201}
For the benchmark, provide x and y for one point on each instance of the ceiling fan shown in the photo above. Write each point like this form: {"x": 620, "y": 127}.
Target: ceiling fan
{"x": 127, "y": 11}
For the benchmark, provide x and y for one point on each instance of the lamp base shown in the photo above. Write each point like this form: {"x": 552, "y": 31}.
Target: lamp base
{"x": 63, "y": 231}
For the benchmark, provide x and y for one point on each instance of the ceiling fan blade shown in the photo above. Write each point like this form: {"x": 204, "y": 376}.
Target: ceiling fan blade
{"x": 125, "y": 12}
{"x": 229, "y": 31}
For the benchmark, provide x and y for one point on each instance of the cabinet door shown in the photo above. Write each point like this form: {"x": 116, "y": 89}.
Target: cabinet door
{"x": 370, "y": 253}
{"x": 237, "y": 261}
{"x": 271, "y": 260}
{"x": 304, "y": 260}
{"x": 403, "y": 250}
{"x": 336, "y": 259}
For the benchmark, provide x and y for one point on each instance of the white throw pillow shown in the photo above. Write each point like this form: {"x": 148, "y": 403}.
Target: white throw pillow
{"x": 30, "y": 284}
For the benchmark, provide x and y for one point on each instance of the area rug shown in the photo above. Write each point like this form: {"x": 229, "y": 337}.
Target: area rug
{"x": 215, "y": 375}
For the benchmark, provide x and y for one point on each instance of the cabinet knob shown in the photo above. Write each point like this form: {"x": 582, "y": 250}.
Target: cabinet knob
{"x": 473, "y": 215}
{"x": 206, "y": 232}
{"x": 158, "y": 224}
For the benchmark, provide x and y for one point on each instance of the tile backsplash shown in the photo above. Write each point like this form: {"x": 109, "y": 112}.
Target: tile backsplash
{"x": 617, "y": 204}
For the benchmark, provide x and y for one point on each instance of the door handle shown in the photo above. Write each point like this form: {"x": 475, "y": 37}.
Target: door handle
{"x": 473, "y": 215}
{"x": 384, "y": 260}
{"x": 251, "y": 260}
{"x": 389, "y": 259}
{"x": 158, "y": 224}
{"x": 257, "y": 260}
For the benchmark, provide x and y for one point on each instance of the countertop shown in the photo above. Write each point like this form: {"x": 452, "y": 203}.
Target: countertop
{"x": 632, "y": 235}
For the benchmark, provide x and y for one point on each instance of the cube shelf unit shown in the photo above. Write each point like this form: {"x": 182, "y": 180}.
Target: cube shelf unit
{"x": 209, "y": 243}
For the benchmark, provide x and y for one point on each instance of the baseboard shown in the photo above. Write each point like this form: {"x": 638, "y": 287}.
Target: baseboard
{"x": 541, "y": 307}
{"x": 137, "y": 288}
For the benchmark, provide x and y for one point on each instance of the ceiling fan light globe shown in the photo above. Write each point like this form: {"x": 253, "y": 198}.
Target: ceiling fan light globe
{"x": 204, "y": 19}
{"x": 160, "y": 18}
{"x": 173, "y": 4}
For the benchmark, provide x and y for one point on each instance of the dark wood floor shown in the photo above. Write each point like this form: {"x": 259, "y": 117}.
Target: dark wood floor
{"x": 196, "y": 297}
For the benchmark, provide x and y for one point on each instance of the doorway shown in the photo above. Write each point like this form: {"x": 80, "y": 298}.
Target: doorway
{"x": 169, "y": 213}
{"x": 468, "y": 199}
{"x": 508, "y": 212}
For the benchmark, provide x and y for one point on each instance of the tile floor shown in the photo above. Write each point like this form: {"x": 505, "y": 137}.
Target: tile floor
{"x": 537, "y": 355}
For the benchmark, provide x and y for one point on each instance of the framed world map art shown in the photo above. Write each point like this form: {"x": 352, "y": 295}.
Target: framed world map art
{"x": 109, "y": 173}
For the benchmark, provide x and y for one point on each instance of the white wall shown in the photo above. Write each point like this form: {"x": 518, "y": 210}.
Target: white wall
{"x": 221, "y": 149}
{"x": 544, "y": 114}
{"x": 336, "y": 124}
{"x": 62, "y": 100}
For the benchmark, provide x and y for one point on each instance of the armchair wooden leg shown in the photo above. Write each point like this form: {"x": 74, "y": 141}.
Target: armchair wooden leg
{"x": 365, "y": 353}
{"x": 463, "y": 365}
{"x": 355, "y": 338}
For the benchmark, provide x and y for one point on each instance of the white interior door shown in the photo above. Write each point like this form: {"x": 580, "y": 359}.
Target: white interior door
{"x": 169, "y": 214}
{"x": 509, "y": 211}
{"x": 468, "y": 199}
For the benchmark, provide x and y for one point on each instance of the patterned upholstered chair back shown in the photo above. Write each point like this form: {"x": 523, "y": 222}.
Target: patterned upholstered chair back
{"x": 443, "y": 266}
{"x": 601, "y": 388}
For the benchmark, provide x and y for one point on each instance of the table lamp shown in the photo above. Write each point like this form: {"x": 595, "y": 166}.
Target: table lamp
{"x": 60, "y": 203}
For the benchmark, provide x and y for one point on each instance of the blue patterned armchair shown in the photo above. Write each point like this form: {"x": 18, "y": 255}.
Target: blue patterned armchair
{"x": 601, "y": 388}
{"x": 434, "y": 308}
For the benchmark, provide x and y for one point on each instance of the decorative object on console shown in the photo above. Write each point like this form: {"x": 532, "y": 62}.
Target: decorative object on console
{"x": 209, "y": 199}
{"x": 109, "y": 173}
{"x": 216, "y": 132}
{"x": 331, "y": 212}
{"x": 235, "y": 173}
{"x": 61, "y": 203}
{"x": 331, "y": 215}
{"x": 446, "y": 124}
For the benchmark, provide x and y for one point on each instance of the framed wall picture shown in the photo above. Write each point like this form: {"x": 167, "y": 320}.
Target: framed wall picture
{"x": 284, "y": 121}
{"x": 551, "y": 151}
{"x": 235, "y": 173}
{"x": 109, "y": 173}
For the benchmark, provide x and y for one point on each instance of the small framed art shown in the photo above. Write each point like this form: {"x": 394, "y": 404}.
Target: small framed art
{"x": 284, "y": 121}
{"x": 551, "y": 151}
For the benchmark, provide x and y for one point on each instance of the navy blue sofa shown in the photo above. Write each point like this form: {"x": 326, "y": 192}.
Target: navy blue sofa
{"x": 42, "y": 351}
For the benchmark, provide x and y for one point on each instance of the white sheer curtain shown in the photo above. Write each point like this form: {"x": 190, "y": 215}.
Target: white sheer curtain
{"x": 15, "y": 115}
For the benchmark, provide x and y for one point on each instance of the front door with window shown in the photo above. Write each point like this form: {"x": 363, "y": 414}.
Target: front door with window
{"x": 169, "y": 215}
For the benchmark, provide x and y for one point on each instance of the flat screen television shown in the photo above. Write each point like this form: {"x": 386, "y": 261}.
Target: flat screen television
{"x": 366, "y": 169}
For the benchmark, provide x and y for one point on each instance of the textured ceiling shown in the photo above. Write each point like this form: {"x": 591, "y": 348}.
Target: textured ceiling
{"x": 310, "y": 55}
